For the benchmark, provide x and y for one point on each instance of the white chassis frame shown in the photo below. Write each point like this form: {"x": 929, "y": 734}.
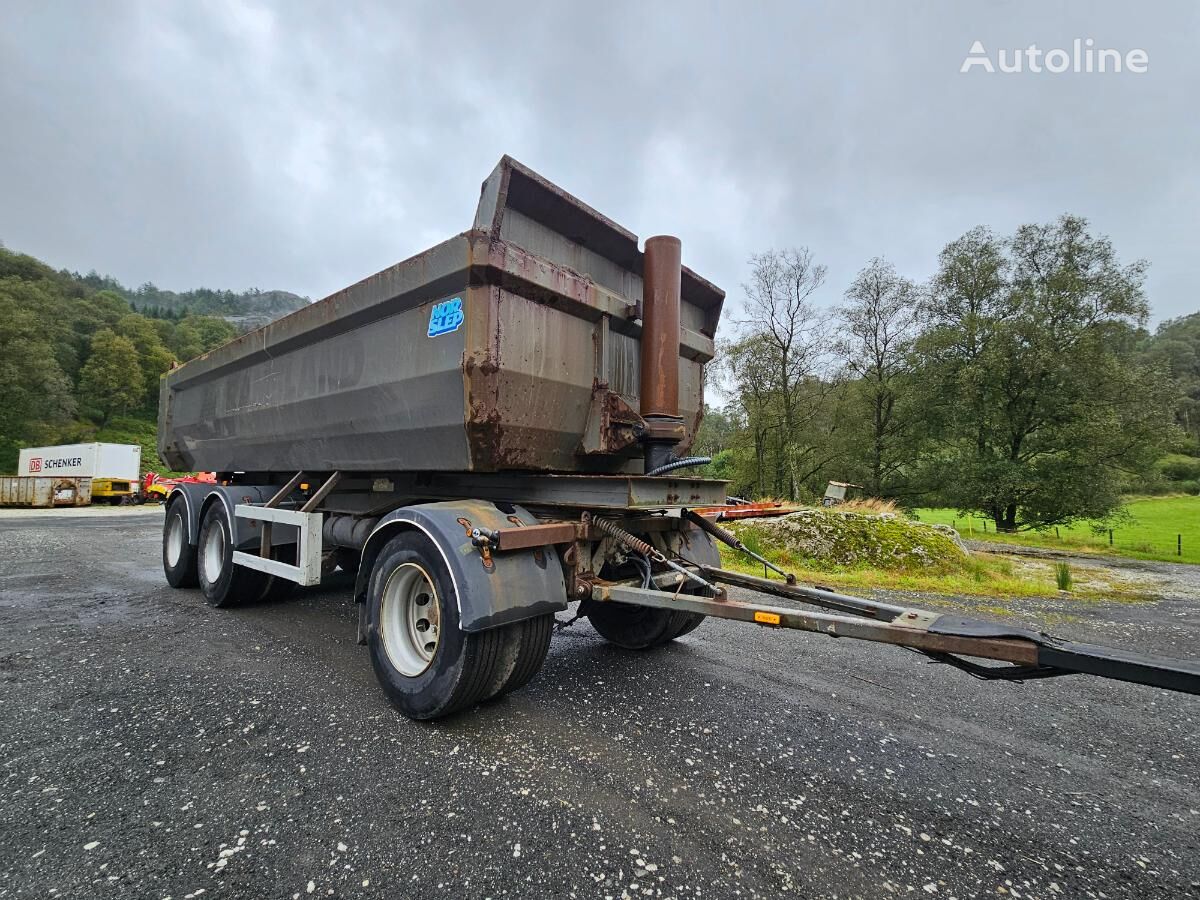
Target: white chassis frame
{"x": 307, "y": 571}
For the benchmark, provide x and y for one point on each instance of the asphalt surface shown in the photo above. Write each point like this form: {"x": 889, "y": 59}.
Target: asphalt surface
{"x": 153, "y": 747}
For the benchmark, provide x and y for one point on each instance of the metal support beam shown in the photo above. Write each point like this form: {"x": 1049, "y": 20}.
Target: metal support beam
{"x": 911, "y": 631}
{"x": 322, "y": 492}
{"x": 280, "y": 496}
{"x": 307, "y": 570}
{"x": 873, "y": 609}
{"x": 944, "y": 637}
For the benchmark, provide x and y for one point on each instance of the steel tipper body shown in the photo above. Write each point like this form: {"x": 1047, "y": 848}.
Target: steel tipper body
{"x": 515, "y": 345}
{"x": 492, "y": 431}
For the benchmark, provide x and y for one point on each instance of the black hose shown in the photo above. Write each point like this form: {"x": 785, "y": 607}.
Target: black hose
{"x": 681, "y": 464}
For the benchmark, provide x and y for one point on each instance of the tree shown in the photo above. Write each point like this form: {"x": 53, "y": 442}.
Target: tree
{"x": 1175, "y": 346}
{"x": 778, "y": 368}
{"x": 1042, "y": 407}
{"x": 111, "y": 381}
{"x": 153, "y": 357}
{"x": 199, "y": 334}
{"x": 878, "y": 325}
{"x": 33, "y": 387}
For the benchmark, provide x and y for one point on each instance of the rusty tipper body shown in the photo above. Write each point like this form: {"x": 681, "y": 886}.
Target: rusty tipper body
{"x": 513, "y": 346}
{"x": 489, "y": 432}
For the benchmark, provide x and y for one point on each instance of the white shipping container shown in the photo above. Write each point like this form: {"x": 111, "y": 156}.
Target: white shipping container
{"x": 119, "y": 461}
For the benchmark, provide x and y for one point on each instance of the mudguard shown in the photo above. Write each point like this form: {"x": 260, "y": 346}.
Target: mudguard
{"x": 197, "y": 497}
{"x": 508, "y": 587}
{"x": 699, "y": 548}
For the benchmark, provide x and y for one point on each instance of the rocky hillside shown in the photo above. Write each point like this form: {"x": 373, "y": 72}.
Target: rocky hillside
{"x": 245, "y": 309}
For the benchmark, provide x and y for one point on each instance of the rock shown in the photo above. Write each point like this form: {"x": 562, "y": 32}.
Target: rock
{"x": 829, "y": 537}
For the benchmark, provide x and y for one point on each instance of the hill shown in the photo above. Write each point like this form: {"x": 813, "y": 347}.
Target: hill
{"x": 81, "y": 355}
{"x": 246, "y": 310}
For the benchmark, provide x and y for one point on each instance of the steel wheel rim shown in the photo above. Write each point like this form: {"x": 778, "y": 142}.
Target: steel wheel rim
{"x": 174, "y": 541}
{"x": 411, "y": 619}
{"x": 212, "y": 557}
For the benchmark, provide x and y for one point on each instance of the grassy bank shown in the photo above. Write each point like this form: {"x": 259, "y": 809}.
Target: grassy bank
{"x": 934, "y": 571}
{"x": 982, "y": 577}
{"x": 1152, "y": 532}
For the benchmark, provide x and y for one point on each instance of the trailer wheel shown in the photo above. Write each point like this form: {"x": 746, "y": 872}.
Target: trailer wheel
{"x": 688, "y": 622}
{"x": 224, "y": 584}
{"x": 524, "y": 651}
{"x": 637, "y": 627}
{"x": 179, "y": 557}
{"x": 426, "y": 664}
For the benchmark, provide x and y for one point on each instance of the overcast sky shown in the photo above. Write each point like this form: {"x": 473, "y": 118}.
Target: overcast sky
{"x": 303, "y": 146}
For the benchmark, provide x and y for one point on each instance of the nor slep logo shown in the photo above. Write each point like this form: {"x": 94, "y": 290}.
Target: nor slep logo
{"x": 445, "y": 317}
{"x": 35, "y": 464}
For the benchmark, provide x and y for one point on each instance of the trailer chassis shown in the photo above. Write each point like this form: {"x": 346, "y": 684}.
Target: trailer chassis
{"x": 517, "y": 549}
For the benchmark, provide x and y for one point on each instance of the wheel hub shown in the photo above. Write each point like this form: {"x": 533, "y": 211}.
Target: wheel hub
{"x": 174, "y": 541}
{"x": 410, "y": 619}
{"x": 212, "y": 556}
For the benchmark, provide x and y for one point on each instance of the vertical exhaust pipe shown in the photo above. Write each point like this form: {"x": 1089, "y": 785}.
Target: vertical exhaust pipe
{"x": 662, "y": 272}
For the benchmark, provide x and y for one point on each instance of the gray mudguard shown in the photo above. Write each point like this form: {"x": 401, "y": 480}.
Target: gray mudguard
{"x": 700, "y": 548}
{"x": 514, "y": 586}
{"x": 198, "y": 497}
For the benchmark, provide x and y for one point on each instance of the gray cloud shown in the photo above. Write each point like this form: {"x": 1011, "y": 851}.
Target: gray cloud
{"x": 305, "y": 146}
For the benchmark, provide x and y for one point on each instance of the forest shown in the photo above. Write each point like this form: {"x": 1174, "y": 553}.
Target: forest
{"x": 81, "y": 355}
{"x": 1019, "y": 383}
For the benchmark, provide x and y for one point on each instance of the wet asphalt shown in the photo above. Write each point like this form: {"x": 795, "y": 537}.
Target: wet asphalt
{"x": 151, "y": 747}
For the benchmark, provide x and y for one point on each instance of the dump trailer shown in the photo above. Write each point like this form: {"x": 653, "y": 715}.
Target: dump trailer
{"x": 491, "y": 431}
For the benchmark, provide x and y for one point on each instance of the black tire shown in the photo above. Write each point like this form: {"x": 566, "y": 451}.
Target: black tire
{"x": 463, "y": 665}
{"x": 636, "y": 627}
{"x": 688, "y": 622}
{"x": 522, "y": 656}
{"x": 182, "y": 572}
{"x": 224, "y": 584}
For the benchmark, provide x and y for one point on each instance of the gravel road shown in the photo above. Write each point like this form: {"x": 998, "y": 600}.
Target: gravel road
{"x": 151, "y": 747}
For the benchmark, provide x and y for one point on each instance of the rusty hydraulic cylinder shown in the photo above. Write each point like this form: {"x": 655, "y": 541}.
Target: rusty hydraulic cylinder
{"x": 661, "y": 276}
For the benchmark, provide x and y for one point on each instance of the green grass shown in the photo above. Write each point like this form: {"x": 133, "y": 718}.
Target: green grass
{"x": 980, "y": 576}
{"x": 1149, "y": 534}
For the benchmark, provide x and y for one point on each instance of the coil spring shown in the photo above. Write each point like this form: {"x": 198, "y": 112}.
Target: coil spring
{"x": 613, "y": 530}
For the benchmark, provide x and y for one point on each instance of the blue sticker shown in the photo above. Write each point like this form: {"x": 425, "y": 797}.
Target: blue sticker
{"x": 445, "y": 317}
